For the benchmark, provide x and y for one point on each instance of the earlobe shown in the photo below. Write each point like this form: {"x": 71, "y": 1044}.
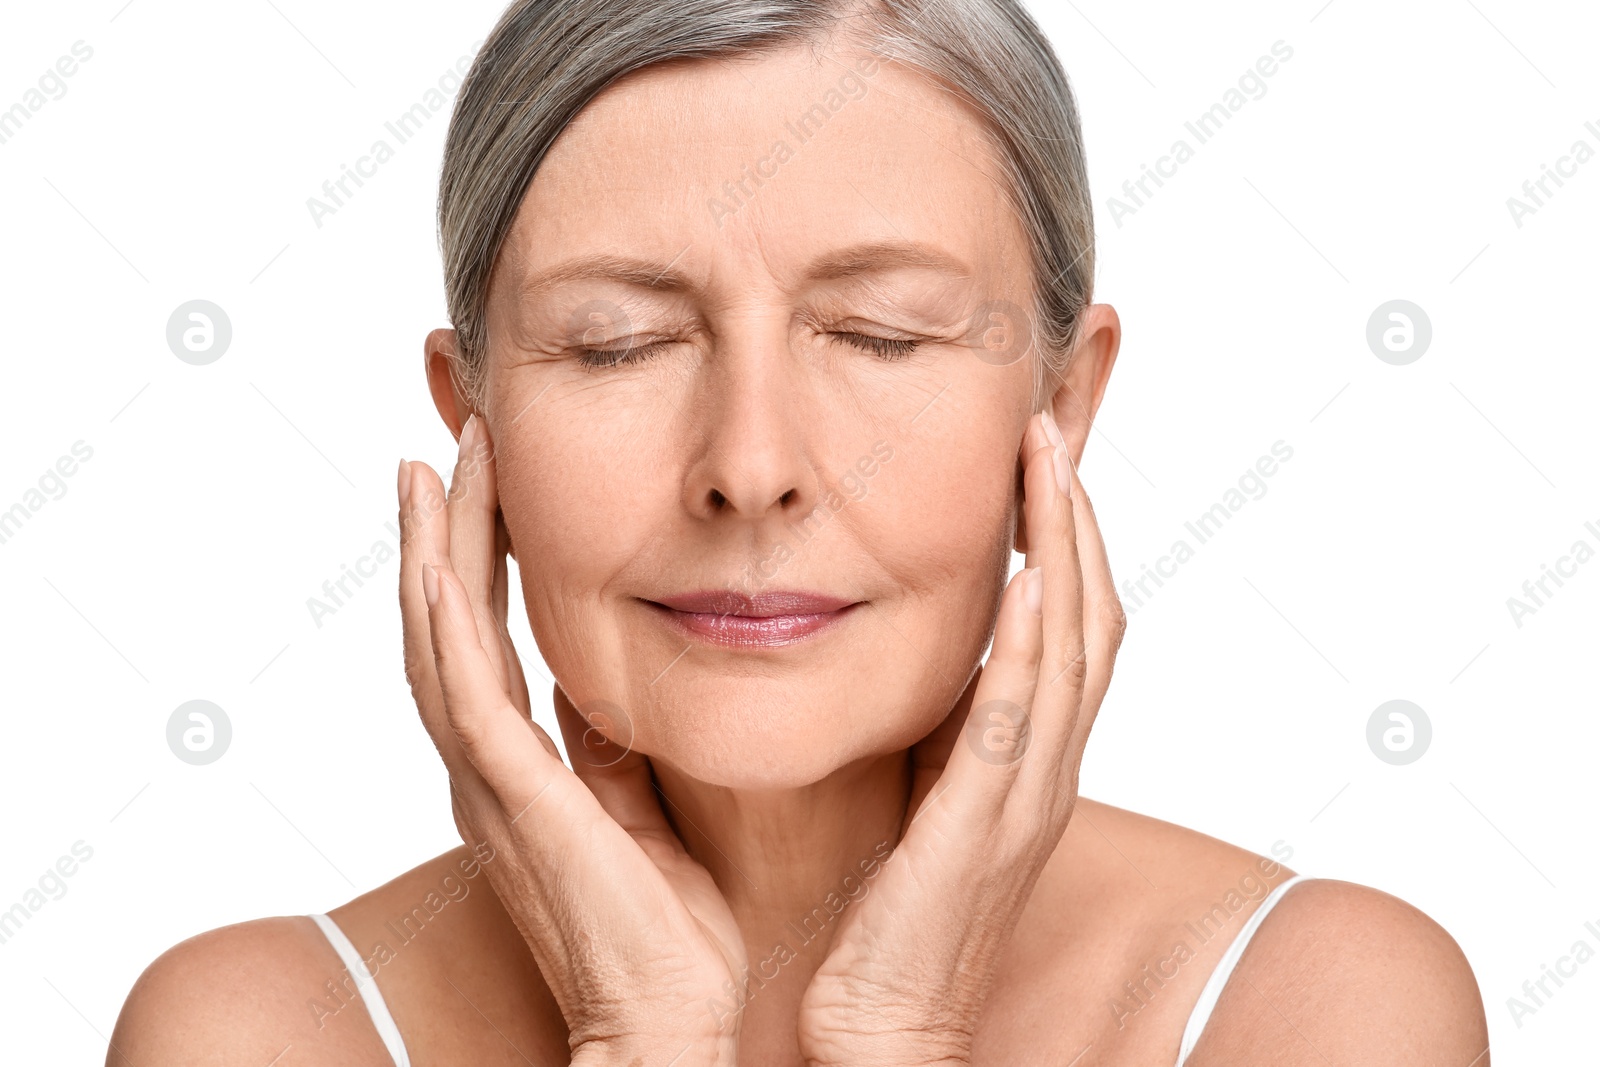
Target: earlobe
{"x": 502, "y": 534}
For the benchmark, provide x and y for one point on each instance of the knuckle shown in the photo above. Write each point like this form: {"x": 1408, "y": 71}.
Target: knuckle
{"x": 447, "y": 659}
{"x": 418, "y": 676}
{"x": 1014, "y": 658}
{"x": 473, "y": 730}
{"x": 467, "y": 737}
{"x": 1074, "y": 667}
{"x": 461, "y": 810}
{"x": 1113, "y": 619}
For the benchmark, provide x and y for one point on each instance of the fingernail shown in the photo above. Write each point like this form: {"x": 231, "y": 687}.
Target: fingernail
{"x": 405, "y": 482}
{"x": 1063, "y": 466}
{"x": 469, "y": 436}
{"x": 1052, "y": 431}
{"x": 1033, "y": 590}
{"x": 430, "y": 584}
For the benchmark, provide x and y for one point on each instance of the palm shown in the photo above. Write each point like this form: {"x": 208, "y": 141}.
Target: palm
{"x": 865, "y": 975}
{"x": 625, "y": 802}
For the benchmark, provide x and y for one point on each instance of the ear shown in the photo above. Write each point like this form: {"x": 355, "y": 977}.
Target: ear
{"x": 440, "y": 353}
{"x": 1082, "y": 385}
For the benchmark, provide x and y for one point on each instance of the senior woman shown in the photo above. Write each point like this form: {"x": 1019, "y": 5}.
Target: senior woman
{"x": 772, "y": 338}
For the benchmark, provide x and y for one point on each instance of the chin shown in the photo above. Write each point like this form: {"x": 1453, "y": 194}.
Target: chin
{"x": 760, "y": 734}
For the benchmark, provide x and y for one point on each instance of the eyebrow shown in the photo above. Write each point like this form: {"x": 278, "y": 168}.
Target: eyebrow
{"x": 877, "y": 256}
{"x": 869, "y": 257}
{"x": 625, "y": 269}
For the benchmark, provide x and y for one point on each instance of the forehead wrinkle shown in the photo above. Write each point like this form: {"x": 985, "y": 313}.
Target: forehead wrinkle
{"x": 678, "y": 111}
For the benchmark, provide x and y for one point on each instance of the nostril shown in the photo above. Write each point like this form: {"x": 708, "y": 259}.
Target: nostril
{"x": 786, "y": 497}
{"x": 717, "y": 499}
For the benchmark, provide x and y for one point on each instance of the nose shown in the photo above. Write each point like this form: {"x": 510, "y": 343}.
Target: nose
{"x": 752, "y": 459}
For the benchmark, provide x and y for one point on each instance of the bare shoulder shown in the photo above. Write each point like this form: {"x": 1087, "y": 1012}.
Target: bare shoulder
{"x": 1133, "y": 915}
{"x": 1128, "y": 919}
{"x": 435, "y": 940}
{"x": 238, "y": 994}
{"x": 1136, "y": 871}
{"x": 1344, "y": 973}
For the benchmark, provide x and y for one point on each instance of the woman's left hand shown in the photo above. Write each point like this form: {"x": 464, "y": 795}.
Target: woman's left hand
{"x": 907, "y": 975}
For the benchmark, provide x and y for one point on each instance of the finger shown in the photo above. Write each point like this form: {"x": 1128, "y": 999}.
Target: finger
{"x": 999, "y": 731}
{"x": 499, "y": 599}
{"x": 501, "y": 744}
{"x": 422, "y": 527}
{"x": 1106, "y": 621}
{"x": 1053, "y": 546}
{"x": 472, "y": 508}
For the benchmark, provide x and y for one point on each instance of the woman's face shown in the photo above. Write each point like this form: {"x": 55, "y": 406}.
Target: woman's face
{"x": 749, "y": 334}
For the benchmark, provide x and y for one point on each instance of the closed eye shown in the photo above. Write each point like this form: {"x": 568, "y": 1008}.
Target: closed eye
{"x": 889, "y": 348}
{"x": 602, "y": 358}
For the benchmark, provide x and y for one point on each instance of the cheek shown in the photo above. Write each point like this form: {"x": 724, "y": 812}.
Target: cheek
{"x": 575, "y": 524}
{"x": 948, "y": 515}
{"x": 567, "y": 501}
{"x": 961, "y": 513}
{"x": 942, "y": 529}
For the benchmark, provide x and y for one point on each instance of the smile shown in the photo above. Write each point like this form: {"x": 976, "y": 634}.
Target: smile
{"x": 731, "y": 619}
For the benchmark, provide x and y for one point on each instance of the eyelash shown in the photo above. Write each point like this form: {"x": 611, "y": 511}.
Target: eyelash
{"x": 887, "y": 348}
{"x": 606, "y": 358}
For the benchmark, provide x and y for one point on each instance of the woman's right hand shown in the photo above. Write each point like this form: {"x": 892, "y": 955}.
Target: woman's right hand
{"x": 630, "y": 932}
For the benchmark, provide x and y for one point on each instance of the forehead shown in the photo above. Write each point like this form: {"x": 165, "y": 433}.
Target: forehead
{"x": 757, "y": 165}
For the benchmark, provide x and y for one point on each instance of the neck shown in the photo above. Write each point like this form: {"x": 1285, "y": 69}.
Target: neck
{"x": 788, "y": 862}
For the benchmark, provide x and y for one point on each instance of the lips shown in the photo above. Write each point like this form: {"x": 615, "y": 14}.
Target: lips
{"x": 730, "y": 618}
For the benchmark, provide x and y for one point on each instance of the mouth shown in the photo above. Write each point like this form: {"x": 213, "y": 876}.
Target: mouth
{"x": 732, "y": 619}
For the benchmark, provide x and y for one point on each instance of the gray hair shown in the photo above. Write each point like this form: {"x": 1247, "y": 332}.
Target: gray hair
{"x": 546, "y": 59}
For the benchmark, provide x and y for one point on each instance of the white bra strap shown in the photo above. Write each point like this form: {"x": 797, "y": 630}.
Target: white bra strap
{"x": 376, "y": 1008}
{"x": 1219, "y": 977}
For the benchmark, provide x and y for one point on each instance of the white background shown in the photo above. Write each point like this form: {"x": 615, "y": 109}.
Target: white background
{"x": 1377, "y": 565}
